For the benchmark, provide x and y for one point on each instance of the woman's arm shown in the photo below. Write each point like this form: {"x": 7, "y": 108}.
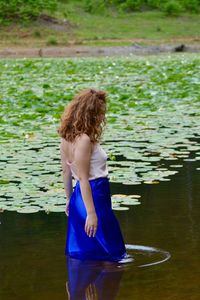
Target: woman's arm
{"x": 82, "y": 156}
{"x": 66, "y": 172}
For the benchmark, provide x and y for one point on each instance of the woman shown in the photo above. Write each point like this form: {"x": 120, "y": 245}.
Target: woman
{"x": 93, "y": 231}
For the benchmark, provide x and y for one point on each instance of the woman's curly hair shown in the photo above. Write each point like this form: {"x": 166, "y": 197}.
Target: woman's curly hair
{"x": 84, "y": 114}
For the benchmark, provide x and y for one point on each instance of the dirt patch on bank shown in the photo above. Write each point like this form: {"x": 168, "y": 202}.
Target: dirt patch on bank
{"x": 86, "y": 51}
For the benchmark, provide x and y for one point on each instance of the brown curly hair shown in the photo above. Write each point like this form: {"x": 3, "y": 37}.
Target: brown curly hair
{"x": 84, "y": 114}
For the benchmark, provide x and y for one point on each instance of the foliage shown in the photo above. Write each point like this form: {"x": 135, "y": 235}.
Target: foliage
{"x": 191, "y": 5}
{"x": 130, "y": 5}
{"x": 172, "y": 8}
{"x": 24, "y": 9}
{"x": 52, "y": 41}
{"x": 97, "y": 6}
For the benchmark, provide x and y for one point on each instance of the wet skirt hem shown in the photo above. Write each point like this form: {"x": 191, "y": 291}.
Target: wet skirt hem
{"x": 89, "y": 256}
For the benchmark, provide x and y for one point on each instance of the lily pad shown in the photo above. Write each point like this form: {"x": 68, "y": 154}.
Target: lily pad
{"x": 28, "y": 209}
{"x": 121, "y": 208}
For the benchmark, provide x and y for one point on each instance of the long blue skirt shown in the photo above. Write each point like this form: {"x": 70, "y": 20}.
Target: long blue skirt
{"x": 108, "y": 243}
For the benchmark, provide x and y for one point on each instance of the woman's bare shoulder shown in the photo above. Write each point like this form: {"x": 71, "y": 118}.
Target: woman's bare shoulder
{"x": 83, "y": 141}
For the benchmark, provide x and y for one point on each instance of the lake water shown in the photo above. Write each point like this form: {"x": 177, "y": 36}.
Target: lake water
{"x": 33, "y": 264}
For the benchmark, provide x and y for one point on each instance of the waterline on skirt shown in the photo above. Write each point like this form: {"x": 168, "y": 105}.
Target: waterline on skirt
{"x": 94, "y": 179}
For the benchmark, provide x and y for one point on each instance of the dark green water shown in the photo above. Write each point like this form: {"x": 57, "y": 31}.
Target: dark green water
{"x": 33, "y": 264}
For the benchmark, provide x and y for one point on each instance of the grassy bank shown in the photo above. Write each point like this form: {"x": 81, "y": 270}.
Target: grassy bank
{"x": 108, "y": 29}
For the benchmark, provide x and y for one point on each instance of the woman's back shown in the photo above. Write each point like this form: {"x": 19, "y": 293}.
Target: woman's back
{"x": 98, "y": 161}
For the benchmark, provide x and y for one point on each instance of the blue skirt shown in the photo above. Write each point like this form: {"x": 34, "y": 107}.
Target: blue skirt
{"x": 108, "y": 243}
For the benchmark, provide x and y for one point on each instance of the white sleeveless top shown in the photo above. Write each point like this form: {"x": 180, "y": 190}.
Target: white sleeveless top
{"x": 98, "y": 164}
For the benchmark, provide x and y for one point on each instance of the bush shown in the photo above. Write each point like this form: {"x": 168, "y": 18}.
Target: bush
{"x": 52, "y": 41}
{"x": 191, "y": 5}
{"x": 37, "y": 33}
{"x": 24, "y": 9}
{"x": 155, "y": 3}
{"x": 92, "y": 6}
{"x": 172, "y": 8}
{"x": 131, "y": 5}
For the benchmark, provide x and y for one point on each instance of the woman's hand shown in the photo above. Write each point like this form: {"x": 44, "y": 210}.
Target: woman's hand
{"x": 91, "y": 292}
{"x": 67, "y": 208}
{"x": 91, "y": 224}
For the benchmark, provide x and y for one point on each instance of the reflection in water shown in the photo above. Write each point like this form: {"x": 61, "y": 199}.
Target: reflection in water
{"x": 96, "y": 280}
{"x": 92, "y": 280}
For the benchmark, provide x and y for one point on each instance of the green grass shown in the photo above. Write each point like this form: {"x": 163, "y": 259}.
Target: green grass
{"x": 110, "y": 28}
{"x": 146, "y": 25}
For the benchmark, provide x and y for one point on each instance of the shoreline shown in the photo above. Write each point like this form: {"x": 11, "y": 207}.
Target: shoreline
{"x": 95, "y": 51}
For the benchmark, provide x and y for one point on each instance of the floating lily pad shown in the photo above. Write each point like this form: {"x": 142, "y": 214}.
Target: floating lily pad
{"x": 54, "y": 208}
{"x": 130, "y": 202}
{"x": 122, "y": 197}
{"x": 28, "y": 209}
{"x": 151, "y": 181}
{"x": 190, "y": 159}
{"x": 121, "y": 208}
{"x": 176, "y": 166}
